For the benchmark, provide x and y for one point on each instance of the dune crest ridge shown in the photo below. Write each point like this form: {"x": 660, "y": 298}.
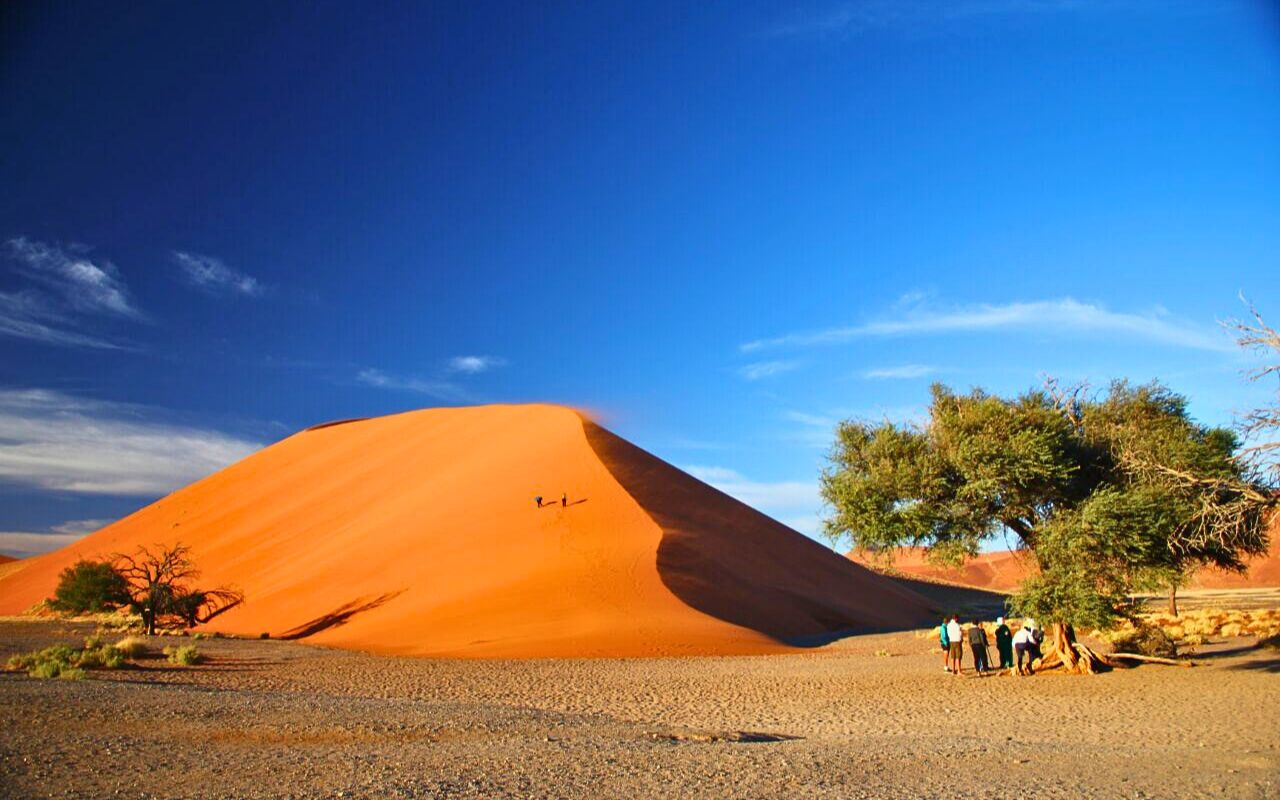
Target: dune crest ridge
{"x": 417, "y": 533}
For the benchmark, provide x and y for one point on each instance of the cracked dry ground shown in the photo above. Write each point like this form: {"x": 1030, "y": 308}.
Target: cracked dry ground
{"x": 276, "y": 719}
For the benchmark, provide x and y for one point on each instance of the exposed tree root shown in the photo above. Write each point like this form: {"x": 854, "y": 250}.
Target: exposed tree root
{"x": 1080, "y": 659}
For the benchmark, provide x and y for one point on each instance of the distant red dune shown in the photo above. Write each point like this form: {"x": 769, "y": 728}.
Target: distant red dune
{"x": 1004, "y": 571}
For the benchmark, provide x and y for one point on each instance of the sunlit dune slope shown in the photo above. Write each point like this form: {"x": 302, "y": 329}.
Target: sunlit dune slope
{"x": 417, "y": 533}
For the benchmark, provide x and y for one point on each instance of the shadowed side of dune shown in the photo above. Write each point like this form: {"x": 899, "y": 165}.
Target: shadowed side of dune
{"x": 728, "y": 560}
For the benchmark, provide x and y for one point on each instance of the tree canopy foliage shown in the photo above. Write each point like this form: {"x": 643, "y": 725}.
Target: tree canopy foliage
{"x": 1110, "y": 491}
{"x": 89, "y": 587}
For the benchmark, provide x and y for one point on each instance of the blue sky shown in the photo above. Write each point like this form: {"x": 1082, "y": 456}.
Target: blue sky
{"x": 720, "y": 227}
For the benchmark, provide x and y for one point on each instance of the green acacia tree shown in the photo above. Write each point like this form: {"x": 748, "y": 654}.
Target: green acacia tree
{"x": 1109, "y": 492}
{"x": 89, "y": 587}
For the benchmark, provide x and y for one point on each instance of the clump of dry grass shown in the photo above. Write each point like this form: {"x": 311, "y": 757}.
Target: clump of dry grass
{"x": 188, "y": 655}
{"x": 132, "y": 647}
{"x": 1197, "y": 627}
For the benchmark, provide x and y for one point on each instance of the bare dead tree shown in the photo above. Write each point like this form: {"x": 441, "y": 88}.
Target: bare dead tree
{"x": 159, "y": 588}
{"x": 1260, "y": 428}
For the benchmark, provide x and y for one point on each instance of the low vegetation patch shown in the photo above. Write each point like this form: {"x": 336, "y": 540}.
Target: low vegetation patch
{"x": 1147, "y": 640}
{"x": 67, "y": 663}
{"x": 188, "y": 655}
{"x": 1193, "y": 628}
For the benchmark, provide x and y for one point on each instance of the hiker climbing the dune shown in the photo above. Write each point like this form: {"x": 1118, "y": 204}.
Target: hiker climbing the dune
{"x": 538, "y": 500}
{"x": 564, "y": 499}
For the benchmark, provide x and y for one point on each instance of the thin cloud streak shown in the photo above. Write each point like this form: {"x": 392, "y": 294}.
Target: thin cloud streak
{"x": 59, "y": 443}
{"x": 88, "y": 286}
{"x": 851, "y": 19}
{"x": 903, "y": 372}
{"x": 1064, "y": 317}
{"x": 212, "y": 276}
{"x": 438, "y": 389}
{"x": 23, "y": 544}
{"x": 770, "y": 498}
{"x": 766, "y": 369}
{"x": 473, "y": 365}
{"x": 24, "y": 315}
{"x": 66, "y": 285}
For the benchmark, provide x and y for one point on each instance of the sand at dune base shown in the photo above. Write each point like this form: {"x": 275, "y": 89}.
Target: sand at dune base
{"x": 872, "y": 716}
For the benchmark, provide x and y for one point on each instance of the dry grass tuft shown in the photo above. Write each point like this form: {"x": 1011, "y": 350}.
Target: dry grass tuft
{"x": 132, "y": 647}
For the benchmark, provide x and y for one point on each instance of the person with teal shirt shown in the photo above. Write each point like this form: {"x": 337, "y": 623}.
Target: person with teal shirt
{"x": 1004, "y": 644}
{"x": 946, "y": 645}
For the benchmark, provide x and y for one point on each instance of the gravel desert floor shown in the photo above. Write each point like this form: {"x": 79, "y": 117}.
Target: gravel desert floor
{"x": 871, "y": 716}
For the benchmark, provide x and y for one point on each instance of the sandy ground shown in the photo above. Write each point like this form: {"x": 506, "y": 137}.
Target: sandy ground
{"x": 279, "y": 719}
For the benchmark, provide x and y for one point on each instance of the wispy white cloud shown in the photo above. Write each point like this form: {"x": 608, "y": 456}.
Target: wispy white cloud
{"x": 472, "y": 365}
{"x": 56, "y": 442}
{"x": 27, "y": 315}
{"x": 766, "y": 369}
{"x": 86, "y": 285}
{"x": 902, "y": 372}
{"x": 80, "y": 527}
{"x": 211, "y": 275}
{"x": 846, "y": 20}
{"x": 1066, "y": 317}
{"x": 773, "y": 498}
{"x": 438, "y": 389}
{"x": 66, "y": 287}
{"x": 811, "y": 420}
{"x": 23, "y": 544}
{"x": 814, "y": 430}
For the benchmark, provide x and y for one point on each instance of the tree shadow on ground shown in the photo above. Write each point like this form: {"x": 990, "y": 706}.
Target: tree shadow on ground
{"x": 1209, "y": 655}
{"x": 339, "y": 616}
{"x": 1266, "y": 665}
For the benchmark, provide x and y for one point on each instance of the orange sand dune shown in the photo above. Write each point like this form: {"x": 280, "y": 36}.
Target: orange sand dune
{"x": 1001, "y": 571}
{"x": 417, "y": 533}
{"x": 1004, "y": 571}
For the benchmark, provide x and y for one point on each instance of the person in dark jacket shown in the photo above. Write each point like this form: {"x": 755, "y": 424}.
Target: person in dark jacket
{"x": 1004, "y": 643}
{"x": 978, "y": 644}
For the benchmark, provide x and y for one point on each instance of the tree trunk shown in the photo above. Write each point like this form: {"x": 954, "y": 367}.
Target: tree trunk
{"x": 1173, "y": 600}
{"x": 1066, "y": 652}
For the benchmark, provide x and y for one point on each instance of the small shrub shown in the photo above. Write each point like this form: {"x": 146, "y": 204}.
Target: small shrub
{"x": 132, "y": 647}
{"x": 71, "y": 674}
{"x": 93, "y": 642}
{"x": 187, "y": 655}
{"x": 1147, "y": 640}
{"x": 883, "y": 653}
{"x": 1231, "y": 630}
{"x": 197, "y": 636}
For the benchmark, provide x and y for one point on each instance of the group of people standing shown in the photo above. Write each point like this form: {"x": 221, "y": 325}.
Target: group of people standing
{"x": 1025, "y": 644}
